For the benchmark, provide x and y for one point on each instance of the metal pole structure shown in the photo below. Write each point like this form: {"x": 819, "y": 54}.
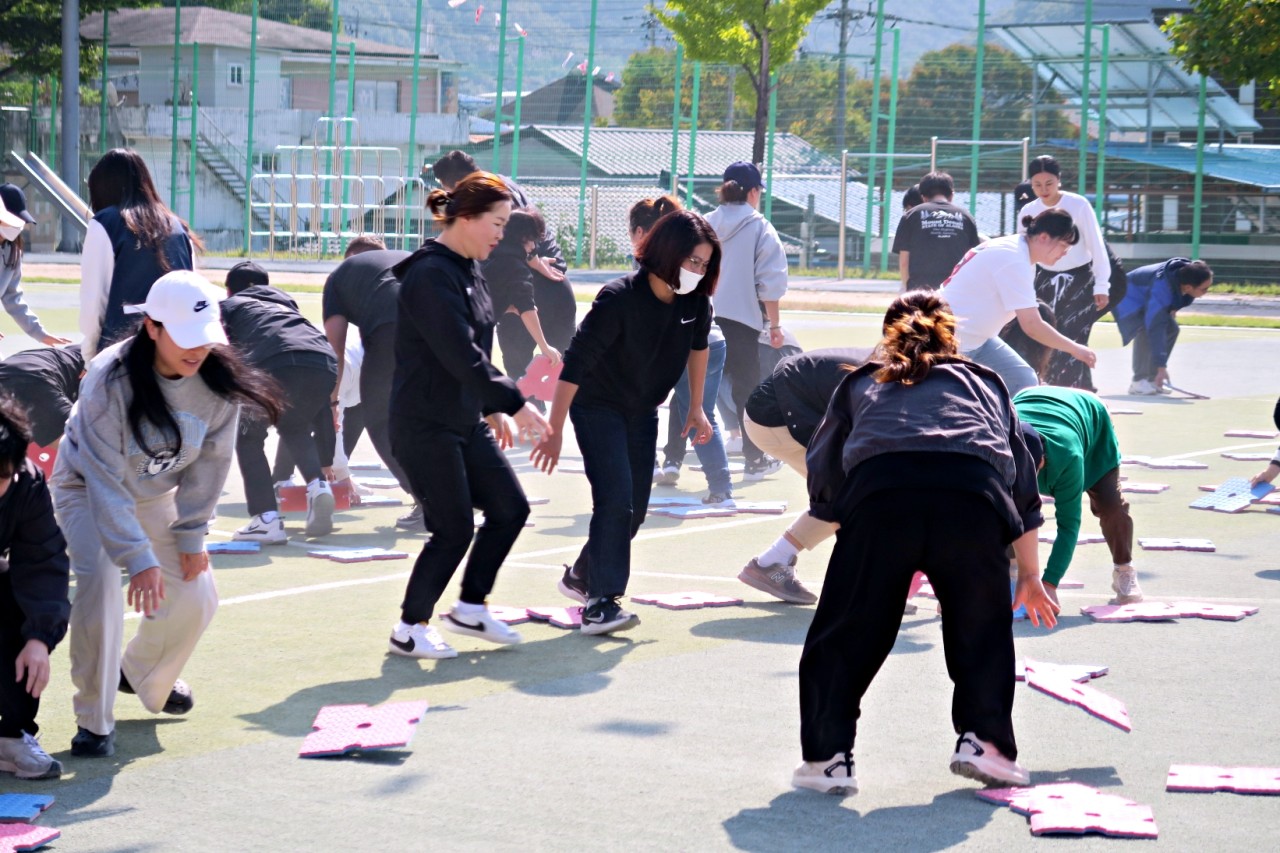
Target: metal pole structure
{"x": 842, "y": 77}
{"x": 70, "y": 113}
{"x": 497, "y": 98}
{"x": 248, "y": 142}
{"x": 675, "y": 121}
{"x": 1100, "y": 184}
{"x": 889, "y": 149}
{"x": 346, "y": 155}
{"x": 1199, "y": 191}
{"x": 933, "y": 154}
{"x": 53, "y": 123}
{"x": 195, "y": 129}
{"x": 874, "y": 137}
{"x": 330, "y": 139}
{"x": 693, "y": 129}
{"x": 977, "y": 107}
{"x": 1026, "y": 154}
{"x": 586, "y": 134}
{"x": 1084, "y": 96}
{"x": 515, "y": 119}
{"x": 415, "y": 167}
{"x": 768, "y": 157}
{"x": 844, "y": 209}
{"x": 595, "y": 220}
{"x": 102, "y": 94}
{"x": 173, "y": 133}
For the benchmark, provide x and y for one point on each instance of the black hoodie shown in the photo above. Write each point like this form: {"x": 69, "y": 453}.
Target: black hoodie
{"x": 46, "y": 381}
{"x": 269, "y": 330}
{"x": 444, "y": 338}
{"x": 33, "y": 557}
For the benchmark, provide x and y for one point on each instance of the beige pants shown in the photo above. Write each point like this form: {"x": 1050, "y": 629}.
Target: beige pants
{"x": 164, "y": 643}
{"x": 778, "y": 443}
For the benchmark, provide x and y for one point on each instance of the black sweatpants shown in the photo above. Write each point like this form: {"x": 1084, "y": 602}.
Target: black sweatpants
{"x": 18, "y": 708}
{"x": 376, "y": 370}
{"x": 352, "y": 429}
{"x": 742, "y": 370}
{"x": 957, "y": 539}
{"x": 452, "y": 471}
{"x": 305, "y": 427}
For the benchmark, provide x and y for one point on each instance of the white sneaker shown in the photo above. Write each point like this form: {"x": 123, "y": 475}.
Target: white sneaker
{"x": 733, "y": 445}
{"x": 834, "y": 776}
{"x": 265, "y": 532}
{"x": 420, "y": 640}
{"x": 26, "y": 759}
{"x": 319, "y": 508}
{"x": 284, "y": 484}
{"x": 481, "y": 625}
{"x": 1125, "y": 584}
{"x": 668, "y": 476}
{"x": 1143, "y": 388}
{"x": 976, "y": 759}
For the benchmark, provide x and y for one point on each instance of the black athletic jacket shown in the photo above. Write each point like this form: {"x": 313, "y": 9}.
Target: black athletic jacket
{"x": 269, "y": 330}
{"x": 33, "y": 555}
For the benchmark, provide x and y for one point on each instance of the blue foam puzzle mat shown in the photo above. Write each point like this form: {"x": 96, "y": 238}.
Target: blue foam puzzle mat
{"x": 234, "y": 547}
{"x": 23, "y": 807}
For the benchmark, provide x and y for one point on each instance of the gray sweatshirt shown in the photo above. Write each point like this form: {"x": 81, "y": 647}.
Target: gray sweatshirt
{"x": 100, "y": 457}
{"x": 753, "y": 265}
{"x": 11, "y": 298}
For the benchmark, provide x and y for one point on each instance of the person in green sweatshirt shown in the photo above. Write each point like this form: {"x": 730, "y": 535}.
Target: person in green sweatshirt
{"x": 1081, "y": 454}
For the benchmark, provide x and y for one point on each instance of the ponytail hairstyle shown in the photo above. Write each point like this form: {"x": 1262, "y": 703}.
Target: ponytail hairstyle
{"x": 1044, "y": 163}
{"x": 120, "y": 179}
{"x": 919, "y": 332}
{"x": 474, "y": 196}
{"x": 646, "y": 212}
{"x": 226, "y": 374}
{"x": 1055, "y": 222}
{"x": 1195, "y": 273}
{"x": 732, "y": 192}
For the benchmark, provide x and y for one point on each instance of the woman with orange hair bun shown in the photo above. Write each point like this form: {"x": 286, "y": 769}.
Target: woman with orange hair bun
{"x": 922, "y": 463}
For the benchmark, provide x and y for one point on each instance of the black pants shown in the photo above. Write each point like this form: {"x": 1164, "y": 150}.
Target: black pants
{"x": 557, "y": 313}
{"x": 352, "y": 429}
{"x": 742, "y": 370}
{"x": 452, "y": 470}
{"x": 305, "y": 427}
{"x": 376, "y": 370}
{"x": 17, "y": 707}
{"x": 1070, "y": 294}
{"x": 957, "y": 539}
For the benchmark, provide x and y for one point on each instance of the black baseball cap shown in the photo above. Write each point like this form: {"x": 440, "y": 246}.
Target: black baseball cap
{"x": 245, "y": 274}
{"x": 746, "y": 175}
{"x": 15, "y": 201}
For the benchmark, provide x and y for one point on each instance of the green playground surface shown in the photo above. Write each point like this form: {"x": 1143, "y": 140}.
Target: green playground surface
{"x": 682, "y": 733}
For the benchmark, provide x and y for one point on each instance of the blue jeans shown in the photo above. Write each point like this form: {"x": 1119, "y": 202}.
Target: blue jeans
{"x": 617, "y": 453}
{"x": 715, "y": 462}
{"x": 1004, "y": 360}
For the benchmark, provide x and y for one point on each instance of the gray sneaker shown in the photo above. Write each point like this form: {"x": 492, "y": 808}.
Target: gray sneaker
{"x": 779, "y": 581}
{"x": 26, "y": 759}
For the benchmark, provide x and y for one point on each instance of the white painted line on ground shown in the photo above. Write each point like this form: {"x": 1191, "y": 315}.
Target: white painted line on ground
{"x": 1217, "y": 450}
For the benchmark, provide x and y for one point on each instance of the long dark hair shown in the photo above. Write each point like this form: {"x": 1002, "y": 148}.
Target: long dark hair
{"x": 226, "y": 374}
{"x": 667, "y": 246}
{"x": 919, "y": 332}
{"x": 11, "y": 252}
{"x": 121, "y": 179}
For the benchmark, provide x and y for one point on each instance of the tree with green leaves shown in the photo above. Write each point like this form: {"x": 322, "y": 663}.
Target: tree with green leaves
{"x": 31, "y": 37}
{"x": 759, "y": 36}
{"x": 1235, "y": 40}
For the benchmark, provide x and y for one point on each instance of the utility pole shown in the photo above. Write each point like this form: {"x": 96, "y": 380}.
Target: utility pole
{"x": 841, "y": 110}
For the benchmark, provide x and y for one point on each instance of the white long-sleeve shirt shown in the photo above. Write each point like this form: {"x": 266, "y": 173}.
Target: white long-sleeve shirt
{"x": 1090, "y": 250}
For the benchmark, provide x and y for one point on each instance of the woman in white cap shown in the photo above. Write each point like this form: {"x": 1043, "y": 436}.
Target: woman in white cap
{"x": 14, "y": 219}
{"x": 139, "y": 473}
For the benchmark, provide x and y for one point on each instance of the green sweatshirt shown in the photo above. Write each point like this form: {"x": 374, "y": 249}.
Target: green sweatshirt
{"x": 1080, "y": 447}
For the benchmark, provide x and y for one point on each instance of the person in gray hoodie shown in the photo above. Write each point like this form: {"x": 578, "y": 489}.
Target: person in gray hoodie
{"x": 14, "y": 219}
{"x": 753, "y": 278}
{"x": 138, "y": 476}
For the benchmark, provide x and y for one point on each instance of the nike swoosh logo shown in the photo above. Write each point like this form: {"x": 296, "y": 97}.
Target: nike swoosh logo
{"x": 479, "y": 626}
{"x": 687, "y": 322}
{"x": 402, "y": 645}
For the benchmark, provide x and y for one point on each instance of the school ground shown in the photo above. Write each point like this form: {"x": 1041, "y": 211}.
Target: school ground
{"x": 682, "y": 734}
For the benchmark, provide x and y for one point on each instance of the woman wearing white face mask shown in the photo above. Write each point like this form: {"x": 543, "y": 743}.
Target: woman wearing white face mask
{"x": 641, "y": 333}
{"x": 14, "y": 219}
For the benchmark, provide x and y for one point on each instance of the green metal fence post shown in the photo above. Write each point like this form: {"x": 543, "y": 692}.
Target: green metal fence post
{"x": 768, "y": 148}
{"x": 330, "y": 139}
{"x": 874, "y": 138}
{"x": 675, "y": 121}
{"x": 515, "y": 119}
{"x": 693, "y": 129}
{"x": 346, "y": 144}
{"x": 173, "y": 133}
{"x": 415, "y": 168}
{"x": 1084, "y": 96}
{"x": 1100, "y": 183}
{"x": 248, "y": 143}
{"x": 195, "y": 130}
{"x": 586, "y": 134}
{"x": 102, "y": 94}
{"x": 889, "y": 150}
{"x": 1199, "y": 191}
{"x": 497, "y": 99}
{"x": 53, "y": 123}
{"x": 977, "y": 107}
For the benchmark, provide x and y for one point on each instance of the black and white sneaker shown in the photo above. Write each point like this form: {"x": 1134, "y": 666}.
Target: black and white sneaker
{"x": 981, "y": 761}
{"x": 87, "y": 744}
{"x": 413, "y": 520}
{"x": 180, "y": 701}
{"x": 572, "y": 586}
{"x": 605, "y": 616}
{"x": 759, "y": 470}
{"x": 834, "y": 776}
{"x": 419, "y": 640}
{"x": 481, "y": 625}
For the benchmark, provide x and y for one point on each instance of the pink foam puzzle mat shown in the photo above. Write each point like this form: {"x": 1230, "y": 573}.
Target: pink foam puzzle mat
{"x": 1248, "y": 457}
{"x": 1079, "y": 673}
{"x": 687, "y": 600}
{"x": 1144, "y": 488}
{"x": 42, "y": 457}
{"x": 370, "y": 501}
{"x": 1048, "y": 499}
{"x": 1134, "y": 459}
{"x": 1251, "y": 433}
{"x": 1053, "y": 682}
{"x": 1176, "y": 464}
{"x": 1160, "y": 543}
{"x": 663, "y": 501}
{"x": 233, "y": 547}
{"x": 1084, "y": 822}
{"x": 356, "y": 555}
{"x": 762, "y": 507}
{"x": 339, "y": 729}
{"x": 509, "y": 615}
{"x": 1217, "y": 612}
{"x": 561, "y": 617}
{"x": 366, "y": 466}
{"x": 1194, "y": 778}
{"x": 1075, "y": 809}
{"x": 23, "y": 807}
{"x": 540, "y": 377}
{"x": 1071, "y": 585}
{"x": 1143, "y": 611}
{"x": 294, "y": 498}
{"x": 20, "y": 837}
{"x": 1051, "y": 536}
{"x": 691, "y": 512}
{"x": 379, "y": 482}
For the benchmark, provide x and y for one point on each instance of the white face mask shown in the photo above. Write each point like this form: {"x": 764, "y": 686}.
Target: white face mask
{"x": 688, "y": 281}
{"x": 10, "y": 233}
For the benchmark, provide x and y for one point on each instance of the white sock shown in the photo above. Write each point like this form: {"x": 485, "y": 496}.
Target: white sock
{"x": 403, "y": 626}
{"x": 780, "y": 553}
{"x": 268, "y": 517}
{"x": 463, "y": 607}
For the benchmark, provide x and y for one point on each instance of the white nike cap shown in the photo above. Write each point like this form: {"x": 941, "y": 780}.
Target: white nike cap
{"x": 186, "y": 304}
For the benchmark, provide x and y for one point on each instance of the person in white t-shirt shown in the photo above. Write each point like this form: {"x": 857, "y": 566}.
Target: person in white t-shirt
{"x": 1076, "y": 285}
{"x": 995, "y": 282}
